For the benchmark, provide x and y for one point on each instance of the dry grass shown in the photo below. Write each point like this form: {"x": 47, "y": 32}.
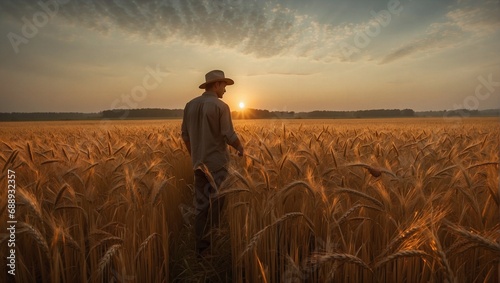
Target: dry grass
{"x": 408, "y": 200}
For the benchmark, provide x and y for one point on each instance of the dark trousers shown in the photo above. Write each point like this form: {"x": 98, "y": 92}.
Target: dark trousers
{"x": 208, "y": 206}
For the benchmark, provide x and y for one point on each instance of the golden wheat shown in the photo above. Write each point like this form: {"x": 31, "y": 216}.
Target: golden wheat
{"x": 311, "y": 201}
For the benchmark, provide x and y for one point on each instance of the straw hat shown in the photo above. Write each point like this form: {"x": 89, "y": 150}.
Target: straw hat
{"x": 216, "y": 76}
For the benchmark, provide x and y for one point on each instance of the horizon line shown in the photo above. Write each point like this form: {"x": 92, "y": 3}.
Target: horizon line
{"x": 246, "y": 109}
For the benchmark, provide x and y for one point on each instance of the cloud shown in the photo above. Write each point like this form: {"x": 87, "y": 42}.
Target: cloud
{"x": 438, "y": 37}
{"x": 263, "y": 29}
{"x": 462, "y": 25}
{"x": 282, "y": 74}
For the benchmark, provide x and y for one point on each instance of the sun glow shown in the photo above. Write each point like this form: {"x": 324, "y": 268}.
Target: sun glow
{"x": 242, "y": 105}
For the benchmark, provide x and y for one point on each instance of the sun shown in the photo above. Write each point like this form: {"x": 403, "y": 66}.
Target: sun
{"x": 242, "y": 105}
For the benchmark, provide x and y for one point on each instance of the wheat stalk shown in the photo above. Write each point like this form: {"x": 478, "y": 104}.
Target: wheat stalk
{"x": 352, "y": 209}
{"x": 406, "y": 234}
{"x": 476, "y": 238}
{"x": 105, "y": 260}
{"x": 110, "y": 239}
{"x": 10, "y": 160}
{"x": 256, "y": 237}
{"x": 35, "y": 233}
{"x": 443, "y": 259}
{"x": 30, "y": 153}
{"x": 285, "y": 191}
{"x": 482, "y": 164}
{"x": 401, "y": 254}
{"x": 32, "y": 203}
{"x": 145, "y": 243}
{"x": 49, "y": 161}
{"x": 360, "y": 194}
{"x": 318, "y": 259}
{"x": 60, "y": 193}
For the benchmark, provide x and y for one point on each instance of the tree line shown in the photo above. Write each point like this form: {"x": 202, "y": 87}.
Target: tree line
{"x": 158, "y": 113}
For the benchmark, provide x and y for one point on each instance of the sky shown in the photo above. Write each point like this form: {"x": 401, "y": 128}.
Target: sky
{"x": 284, "y": 55}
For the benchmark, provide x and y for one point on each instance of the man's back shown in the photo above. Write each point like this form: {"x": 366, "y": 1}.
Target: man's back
{"x": 208, "y": 126}
{"x": 207, "y": 129}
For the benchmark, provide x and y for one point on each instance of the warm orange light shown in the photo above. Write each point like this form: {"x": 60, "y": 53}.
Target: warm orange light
{"x": 242, "y": 105}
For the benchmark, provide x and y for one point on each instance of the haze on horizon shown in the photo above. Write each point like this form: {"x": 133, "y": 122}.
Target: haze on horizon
{"x": 93, "y": 55}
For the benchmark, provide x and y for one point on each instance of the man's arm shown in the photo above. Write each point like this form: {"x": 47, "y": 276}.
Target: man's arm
{"x": 238, "y": 146}
{"x": 184, "y": 130}
{"x": 188, "y": 145}
{"x": 227, "y": 130}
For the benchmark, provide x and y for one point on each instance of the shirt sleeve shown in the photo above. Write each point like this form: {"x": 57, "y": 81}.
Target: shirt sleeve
{"x": 226, "y": 125}
{"x": 184, "y": 128}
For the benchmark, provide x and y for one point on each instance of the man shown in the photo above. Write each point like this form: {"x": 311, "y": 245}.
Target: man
{"x": 207, "y": 129}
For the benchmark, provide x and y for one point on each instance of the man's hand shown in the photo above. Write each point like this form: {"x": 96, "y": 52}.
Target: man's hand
{"x": 238, "y": 146}
{"x": 241, "y": 151}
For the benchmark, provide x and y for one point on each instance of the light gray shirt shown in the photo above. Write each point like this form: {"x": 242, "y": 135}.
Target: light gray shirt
{"x": 207, "y": 125}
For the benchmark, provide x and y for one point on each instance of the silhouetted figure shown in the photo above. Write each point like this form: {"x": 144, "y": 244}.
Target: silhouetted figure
{"x": 207, "y": 129}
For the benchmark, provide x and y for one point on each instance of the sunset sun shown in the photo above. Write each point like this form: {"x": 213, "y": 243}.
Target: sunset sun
{"x": 242, "y": 105}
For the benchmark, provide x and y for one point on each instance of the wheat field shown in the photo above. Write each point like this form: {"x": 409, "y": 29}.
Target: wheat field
{"x": 402, "y": 200}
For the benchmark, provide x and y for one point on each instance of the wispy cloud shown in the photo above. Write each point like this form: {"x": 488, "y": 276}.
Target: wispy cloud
{"x": 462, "y": 25}
{"x": 438, "y": 36}
{"x": 263, "y": 29}
{"x": 282, "y": 74}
